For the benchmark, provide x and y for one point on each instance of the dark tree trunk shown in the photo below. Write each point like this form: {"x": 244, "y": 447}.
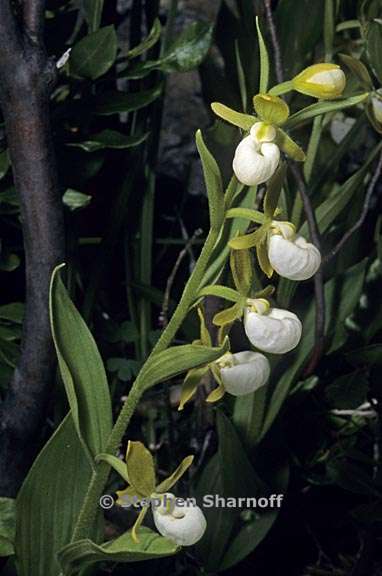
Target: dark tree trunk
{"x": 26, "y": 80}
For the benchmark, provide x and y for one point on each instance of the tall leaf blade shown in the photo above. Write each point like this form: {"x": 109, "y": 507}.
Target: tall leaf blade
{"x": 49, "y": 500}
{"x": 213, "y": 181}
{"x": 81, "y": 369}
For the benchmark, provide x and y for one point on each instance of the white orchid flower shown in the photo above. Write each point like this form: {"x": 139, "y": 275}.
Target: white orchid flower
{"x": 257, "y": 157}
{"x": 271, "y": 329}
{"x": 179, "y": 520}
{"x": 243, "y": 372}
{"x": 291, "y": 255}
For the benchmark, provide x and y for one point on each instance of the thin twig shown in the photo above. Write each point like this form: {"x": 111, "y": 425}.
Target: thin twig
{"x": 365, "y": 210}
{"x": 163, "y": 317}
{"x": 275, "y": 42}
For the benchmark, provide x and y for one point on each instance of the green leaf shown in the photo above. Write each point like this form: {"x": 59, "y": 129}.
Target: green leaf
{"x": 148, "y": 42}
{"x": 7, "y": 526}
{"x": 13, "y": 312}
{"x": 348, "y": 391}
{"x": 190, "y": 384}
{"x": 117, "y": 102}
{"x": 177, "y": 359}
{"x": 169, "y": 482}
{"x": 189, "y": 49}
{"x": 140, "y": 468}
{"x": 213, "y": 180}
{"x": 48, "y": 503}
{"x": 374, "y": 47}
{"x": 323, "y": 108}
{"x": 220, "y": 292}
{"x": 92, "y": 56}
{"x": 359, "y": 70}
{"x": 328, "y": 211}
{"x": 81, "y": 369}
{"x": 75, "y": 200}
{"x": 369, "y": 355}
{"x": 243, "y": 121}
{"x": 93, "y": 12}
{"x": 253, "y": 532}
{"x": 264, "y": 60}
{"x": 83, "y": 553}
{"x": 289, "y": 146}
{"x": 110, "y": 139}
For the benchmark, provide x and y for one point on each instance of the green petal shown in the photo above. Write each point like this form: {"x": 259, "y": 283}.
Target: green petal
{"x": 262, "y": 256}
{"x": 229, "y": 315}
{"x": 289, "y": 146}
{"x": 249, "y": 240}
{"x": 137, "y": 524}
{"x": 169, "y": 482}
{"x": 190, "y": 384}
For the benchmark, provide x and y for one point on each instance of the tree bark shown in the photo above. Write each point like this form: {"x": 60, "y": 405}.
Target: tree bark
{"x": 26, "y": 80}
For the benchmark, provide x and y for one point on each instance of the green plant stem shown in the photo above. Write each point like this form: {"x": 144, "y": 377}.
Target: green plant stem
{"x": 88, "y": 512}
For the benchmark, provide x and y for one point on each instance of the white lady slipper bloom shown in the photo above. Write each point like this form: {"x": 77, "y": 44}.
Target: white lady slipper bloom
{"x": 257, "y": 157}
{"x": 271, "y": 329}
{"x": 324, "y": 80}
{"x": 291, "y": 255}
{"x": 243, "y": 372}
{"x": 179, "y": 520}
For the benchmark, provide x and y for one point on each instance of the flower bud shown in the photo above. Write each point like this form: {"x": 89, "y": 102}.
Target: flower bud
{"x": 291, "y": 255}
{"x": 180, "y": 520}
{"x": 256, "y": 157}
{"x": 320, "y": 81}
{"x": 276, "y": 331}
{"x": 243, "y": 372}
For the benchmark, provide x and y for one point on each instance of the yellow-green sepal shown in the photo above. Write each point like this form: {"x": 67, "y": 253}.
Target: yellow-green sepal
{"x": 169, "y": 482}
{"x": 250, "y": 240}
{"x": 191, "y": 383}
{"x": 229, "y": 315}
{"x": 359, "y": 70}
{"x": 216, "y": 394}
{"x": 272, "y": 195}
{"x": 205, "y": 337}
{"x": 130, "y": 493}
{"x": 262, "y": 257}
{"x": 140, "y": 468}
{"x": 271, "y": 109}
{"x": 241, "y": 264}
{"x": 243, "y": 121}
{"x": 289, "y": 146}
